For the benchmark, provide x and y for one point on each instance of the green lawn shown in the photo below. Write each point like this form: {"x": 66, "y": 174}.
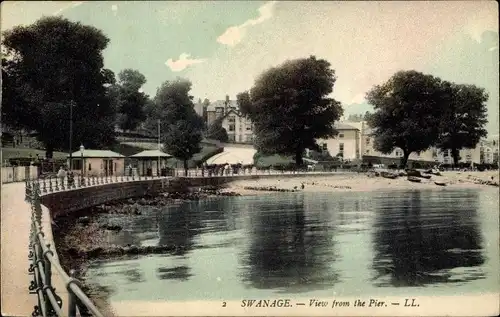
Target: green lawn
{"x": 265, "y": 161}
{"x": 8, "y": 153}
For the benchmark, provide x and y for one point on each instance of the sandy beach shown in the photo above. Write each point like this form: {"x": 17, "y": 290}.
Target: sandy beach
{"x": 364, "y": 182}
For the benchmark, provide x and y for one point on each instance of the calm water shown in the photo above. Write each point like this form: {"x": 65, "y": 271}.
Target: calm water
{"x": 441, "y": 242}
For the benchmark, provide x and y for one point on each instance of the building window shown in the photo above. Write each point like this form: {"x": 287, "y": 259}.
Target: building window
{"x": 398, "y": 153}
{"x": 90, "y": 167}
{"x": 367, "y": 141}
{"x": 341, "y": 135}
{"x": 77, "y": 164}
{"x": 324, "y": 147}
{"x": 249, "y": 128}
{"x": 434, "y": 154}
{"x": 231, "y": 119}
{"x": 231, "y": 127}
{"x": 341, "y": 147}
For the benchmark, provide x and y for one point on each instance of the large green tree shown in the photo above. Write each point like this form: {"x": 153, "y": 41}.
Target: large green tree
{"x": 130, "y": 101}
{"x": 53, "y": 68}
{"x": 464, "y": 118}
{"x": 408, "y": 111}
{"x": 181, "y": 127}
{"x": 289, "y": 107}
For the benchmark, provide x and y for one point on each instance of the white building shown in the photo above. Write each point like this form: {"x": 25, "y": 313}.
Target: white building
{"x": 345, "y": 144}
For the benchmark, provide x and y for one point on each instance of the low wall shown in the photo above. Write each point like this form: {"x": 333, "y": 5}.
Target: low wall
{"x": 72, "y": 200}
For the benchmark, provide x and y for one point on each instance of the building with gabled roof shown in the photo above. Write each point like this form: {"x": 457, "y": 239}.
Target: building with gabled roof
{"x": 238, "y": 127}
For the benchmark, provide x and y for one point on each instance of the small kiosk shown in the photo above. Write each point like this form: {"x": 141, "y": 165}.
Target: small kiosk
{"x": 151, "y": 161}
{"x": 97, "y": 162}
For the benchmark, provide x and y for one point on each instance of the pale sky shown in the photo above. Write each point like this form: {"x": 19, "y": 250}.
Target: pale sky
{"x": 222, "y": 46}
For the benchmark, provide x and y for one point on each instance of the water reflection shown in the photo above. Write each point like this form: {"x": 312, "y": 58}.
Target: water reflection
{"x": 289, "y": 249}
{"x": 424, "y": 239}
{"x": 314, "y": 244}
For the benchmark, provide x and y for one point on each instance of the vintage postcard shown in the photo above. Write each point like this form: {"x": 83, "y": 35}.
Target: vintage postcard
{"x": 250, "y": 158}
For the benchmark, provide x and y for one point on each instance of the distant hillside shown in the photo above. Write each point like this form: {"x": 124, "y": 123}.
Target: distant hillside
{"x": 357, "y": 108}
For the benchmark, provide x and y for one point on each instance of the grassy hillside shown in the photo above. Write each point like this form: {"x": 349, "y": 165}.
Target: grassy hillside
{"x": 8, "y": 153}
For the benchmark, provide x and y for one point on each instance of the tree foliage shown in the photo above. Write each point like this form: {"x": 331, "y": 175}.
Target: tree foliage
{"x": 464, "y": 118}
{"x": 215, "y": 131}
{"x": 408, "y": 110}
{"x": 181, "y": 128}
{"x": 289, "y": 107}
{"x": 130, "y": 101}
{"x": 51, "y": 66}
{"x": 244, "y": 102}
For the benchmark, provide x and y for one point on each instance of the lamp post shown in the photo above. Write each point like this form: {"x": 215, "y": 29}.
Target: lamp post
{"x": 82, "y": 180}
{"x": 158, "y": 169}
{"x": 70, "y": 134}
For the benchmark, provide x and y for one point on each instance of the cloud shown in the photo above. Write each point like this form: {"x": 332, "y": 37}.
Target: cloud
{"x": 182, "y": 63}
{"x": 234, "y": 34}
{"x": 72, "y": 4}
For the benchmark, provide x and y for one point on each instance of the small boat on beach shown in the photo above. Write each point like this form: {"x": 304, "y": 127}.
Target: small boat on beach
{"x": 388, "y": 175}
{"x": 414, "y": 179}
{"x": 426, "y": 176}
{"x": 440, "y": 183}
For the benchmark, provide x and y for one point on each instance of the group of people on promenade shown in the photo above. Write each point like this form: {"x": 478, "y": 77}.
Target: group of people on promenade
{"x": 63, "y": 173}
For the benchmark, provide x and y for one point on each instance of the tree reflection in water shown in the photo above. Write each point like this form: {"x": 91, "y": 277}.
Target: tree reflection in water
{"x": 178, "y": 226}
{"x": 289, "y": 251}
{"x": 421, "y": 242}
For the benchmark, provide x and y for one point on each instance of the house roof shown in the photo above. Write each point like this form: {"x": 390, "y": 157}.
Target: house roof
{"x": 151, "y": 153}
{"x": 96, "y": 153}
{"x": 343, "y": 126}
{"x": 221, "y": 103}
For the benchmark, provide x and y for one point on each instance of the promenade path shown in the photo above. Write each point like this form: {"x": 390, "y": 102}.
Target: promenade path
{"x": 16, "y": 225}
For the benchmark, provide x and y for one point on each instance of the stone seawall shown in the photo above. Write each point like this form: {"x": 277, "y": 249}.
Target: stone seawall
{"x": 82, "y": 198}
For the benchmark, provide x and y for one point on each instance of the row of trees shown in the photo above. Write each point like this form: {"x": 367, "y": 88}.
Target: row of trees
{"x": 414, "y": 111}
{"x": 54, "y": 80}
{"x": 290, "y": 108}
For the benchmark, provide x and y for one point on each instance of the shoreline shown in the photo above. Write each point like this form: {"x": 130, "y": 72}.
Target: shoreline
{"x": 81, "y": 240}
{"x": 364, "y": 183}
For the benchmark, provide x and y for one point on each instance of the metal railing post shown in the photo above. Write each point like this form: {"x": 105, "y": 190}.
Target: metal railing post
{"x": 71, "y": 296}
{"x": 47, "y": 266}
